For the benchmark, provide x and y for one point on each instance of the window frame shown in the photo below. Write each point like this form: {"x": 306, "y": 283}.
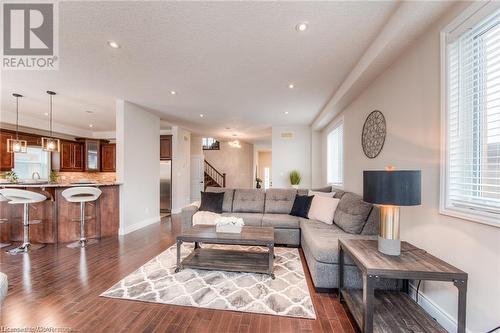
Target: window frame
{"x": 472, "y": 15}
{"x": 336, "y": 124}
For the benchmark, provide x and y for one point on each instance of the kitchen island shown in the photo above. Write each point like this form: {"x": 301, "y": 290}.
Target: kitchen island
{"x": 58, "y": 216}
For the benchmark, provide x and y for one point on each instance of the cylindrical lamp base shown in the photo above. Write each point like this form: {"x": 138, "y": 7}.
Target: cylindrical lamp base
{"x": 390, "y": 247}
{"x": 388, "y": 239}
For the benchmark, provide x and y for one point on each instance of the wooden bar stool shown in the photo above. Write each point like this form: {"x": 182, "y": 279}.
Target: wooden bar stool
{"x": 2, "y": 221}
{"x": 25, "y": 198}
{"x": 82, "y": 195}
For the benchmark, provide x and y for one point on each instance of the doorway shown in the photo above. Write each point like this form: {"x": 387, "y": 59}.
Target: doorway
{"x": 265, "y": 167}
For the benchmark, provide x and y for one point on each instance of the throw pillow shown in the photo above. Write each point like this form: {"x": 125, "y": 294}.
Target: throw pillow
{"x": 323, "y": 209}
{"x": 212, "y": 202}
{"x": 301, "y": 205}
{"x": 322, "y": 194}
{"x": 352, "y": 213}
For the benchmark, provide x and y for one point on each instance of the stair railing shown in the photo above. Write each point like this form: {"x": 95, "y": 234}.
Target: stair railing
{"x": 212, "y": 172}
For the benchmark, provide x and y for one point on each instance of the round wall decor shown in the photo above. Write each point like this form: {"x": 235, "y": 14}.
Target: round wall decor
{"x": 373, "y": 136}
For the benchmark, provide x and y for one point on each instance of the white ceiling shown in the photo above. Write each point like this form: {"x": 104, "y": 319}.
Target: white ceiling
{"x": 231, "y": 61}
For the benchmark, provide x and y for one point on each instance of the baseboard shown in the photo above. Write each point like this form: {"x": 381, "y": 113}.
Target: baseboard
{"x": 139, "y": 225}
{"x": 442, "y": 317}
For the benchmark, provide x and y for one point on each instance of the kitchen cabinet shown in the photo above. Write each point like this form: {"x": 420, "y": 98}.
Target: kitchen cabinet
{"x": 108, "y": 157}
{"x": 6, "y": 159}
{"x": 91, "y": 154}
{"x": 71, "y": 156}
{"x": 165, "y": 147}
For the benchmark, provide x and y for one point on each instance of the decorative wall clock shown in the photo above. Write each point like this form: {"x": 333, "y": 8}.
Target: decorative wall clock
{"x": 373, "y": 136}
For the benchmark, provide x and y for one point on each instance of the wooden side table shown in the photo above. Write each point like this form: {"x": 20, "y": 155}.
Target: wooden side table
{"x": 394, "y": 311}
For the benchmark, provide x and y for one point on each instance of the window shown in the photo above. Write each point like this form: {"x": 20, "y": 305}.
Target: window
{"x": 35, "y": 160}
{"x": 210, "y": 144}
{"x": 471, "y": 183}
{"x": 335, "y": 155}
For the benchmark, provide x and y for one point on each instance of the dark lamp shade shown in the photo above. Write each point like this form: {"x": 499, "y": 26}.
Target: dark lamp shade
{"x": 397, "y": 187}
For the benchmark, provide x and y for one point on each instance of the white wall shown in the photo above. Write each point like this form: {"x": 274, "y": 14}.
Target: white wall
{"x": 137, "y": 166}
{"x": 181, "y": 176}
{"x": 291, "y": 154}
{"x": 408, "y": 94}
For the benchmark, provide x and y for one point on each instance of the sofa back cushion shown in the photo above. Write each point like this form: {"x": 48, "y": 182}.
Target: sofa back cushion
{"x": 280, "y": 201}
{"x": 352, "y": 213}
{"x": 248, "y": 201}
{"x": 227, "y": 204}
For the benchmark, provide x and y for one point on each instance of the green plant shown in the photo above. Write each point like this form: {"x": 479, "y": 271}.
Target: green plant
{"x": 53, "y": 177}
{"x": 295, "y": 177}
{"x": 11, "y": 176}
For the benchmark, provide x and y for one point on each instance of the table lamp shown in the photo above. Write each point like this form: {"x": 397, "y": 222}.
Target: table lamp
{"x": 390, "y": 189}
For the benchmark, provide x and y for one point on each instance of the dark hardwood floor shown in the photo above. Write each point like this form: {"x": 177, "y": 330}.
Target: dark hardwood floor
{"x": 59, "y": 287}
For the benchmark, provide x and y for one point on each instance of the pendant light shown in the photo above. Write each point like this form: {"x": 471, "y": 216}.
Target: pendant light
{"x": 16, "y": 145}
{"x": 50, "y": 143}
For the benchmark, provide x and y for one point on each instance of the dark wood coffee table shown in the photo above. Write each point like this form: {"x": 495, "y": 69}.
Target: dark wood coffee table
{"x": 227, "y": 259}
{"x": 393, "y": 311}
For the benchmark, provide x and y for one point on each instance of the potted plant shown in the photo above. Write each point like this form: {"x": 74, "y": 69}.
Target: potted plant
{"x": 258, "y": 181}
{"x": 295, "y": 179}
{"x": 12, "y": 176}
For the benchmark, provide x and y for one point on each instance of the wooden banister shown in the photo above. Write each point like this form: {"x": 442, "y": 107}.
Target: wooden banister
{"x": 218, "y": 177}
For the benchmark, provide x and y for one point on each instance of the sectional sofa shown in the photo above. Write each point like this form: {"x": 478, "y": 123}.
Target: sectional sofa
{"x": 353, "y": 218}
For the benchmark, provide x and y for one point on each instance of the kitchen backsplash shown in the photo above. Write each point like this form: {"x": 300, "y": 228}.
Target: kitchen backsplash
{"x": 71, "y": 177}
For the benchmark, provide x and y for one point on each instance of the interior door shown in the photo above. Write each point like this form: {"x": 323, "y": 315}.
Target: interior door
{"x": 197, "y": 177}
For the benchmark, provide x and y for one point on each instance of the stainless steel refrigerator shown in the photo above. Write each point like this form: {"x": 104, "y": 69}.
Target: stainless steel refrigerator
{"x": 165, "y": 186}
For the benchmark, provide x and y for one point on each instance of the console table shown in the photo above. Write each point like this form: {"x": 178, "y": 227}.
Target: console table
{"x": 394, "y": 311}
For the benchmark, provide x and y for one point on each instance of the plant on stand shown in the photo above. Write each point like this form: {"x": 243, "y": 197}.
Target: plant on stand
{"x": 258, "y": 181}
{"x": 295, "y": 179}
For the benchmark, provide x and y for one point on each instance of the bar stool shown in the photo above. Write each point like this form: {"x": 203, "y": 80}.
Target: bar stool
{"x": 2, "y": 221}
{"x": 25, "y": 198}
{"x": 82, "y": 195}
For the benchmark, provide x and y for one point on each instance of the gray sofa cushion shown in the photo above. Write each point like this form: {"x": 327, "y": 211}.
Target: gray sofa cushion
{"x": 227, "y": 204}
{"x": 283, "y": 221}
{"x": 248, "y": 201}
{"x": 279, "y": 201}
{"x": 322, "y": 240}
{"x": 253, "y": 219}
{"x": 352, "y": 213}
{"x": 373, "y": 222}
{"x": 325, "y": 189}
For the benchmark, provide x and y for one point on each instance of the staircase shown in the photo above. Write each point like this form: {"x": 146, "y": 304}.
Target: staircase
{"x": 213, "y": 177}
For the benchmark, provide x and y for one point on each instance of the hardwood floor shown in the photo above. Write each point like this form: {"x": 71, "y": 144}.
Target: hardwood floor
{"x": 59, "y": 287}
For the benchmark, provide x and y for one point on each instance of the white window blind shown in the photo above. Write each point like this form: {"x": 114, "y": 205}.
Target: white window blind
{"x": 473, "y": 120}
{"x": 335, "y": 156}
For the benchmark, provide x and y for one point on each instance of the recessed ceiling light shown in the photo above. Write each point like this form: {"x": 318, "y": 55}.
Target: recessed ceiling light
{"x": 113, "y": 44}
{"x": 88, "y": 111}
{"x": 46, "y": 114}
{"x": 201, "y": 115}
{"x": 228, "y": 128}
{"x": 302, "y": 26}
{"x": 234, "y": 134}
{"x": 91, "y": 125}
{"x": 173, "y": 92}
{"x": 286, "y": 112}
{"x": 291, "y": 86}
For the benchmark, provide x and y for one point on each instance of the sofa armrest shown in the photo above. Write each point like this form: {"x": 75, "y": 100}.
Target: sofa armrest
{"x": 187, "y": 216}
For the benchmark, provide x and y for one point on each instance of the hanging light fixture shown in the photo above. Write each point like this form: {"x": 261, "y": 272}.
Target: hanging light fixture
{"x": 50, "y": 143}
{"x": 16, "y": 145}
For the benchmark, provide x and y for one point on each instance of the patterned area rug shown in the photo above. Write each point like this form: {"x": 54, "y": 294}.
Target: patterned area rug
{"x": 156, "y": 282}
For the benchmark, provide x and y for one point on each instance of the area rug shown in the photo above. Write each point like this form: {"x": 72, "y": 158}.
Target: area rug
{"x": 156, "y": 281}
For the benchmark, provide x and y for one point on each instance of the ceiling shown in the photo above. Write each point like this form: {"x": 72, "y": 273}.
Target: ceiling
{"x": 230, "y": 61}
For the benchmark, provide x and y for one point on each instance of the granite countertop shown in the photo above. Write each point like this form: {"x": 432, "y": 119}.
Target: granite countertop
{"x": 10, "y": 185}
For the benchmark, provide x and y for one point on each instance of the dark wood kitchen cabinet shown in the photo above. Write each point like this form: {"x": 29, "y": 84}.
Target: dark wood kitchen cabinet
{"x": 165, "y": 147}
{"x": 6, "y": 159}
{"x": 108, "y": 157}
{"x": 71, "y": 156}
